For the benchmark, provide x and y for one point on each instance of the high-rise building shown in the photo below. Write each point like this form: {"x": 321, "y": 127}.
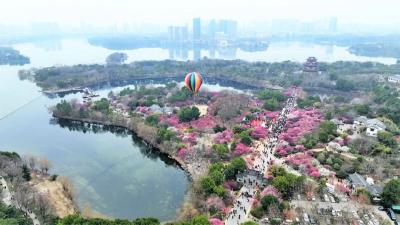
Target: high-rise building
{"x": 196, "y": 29}
{"x": 171, "y": 35}
{"x": 231, "y": 29}
{"x": 185, "y": 33}
{"x": 333, "y": 25}
{"x": 212, "y": 28}
{"x": 177, "y": 34}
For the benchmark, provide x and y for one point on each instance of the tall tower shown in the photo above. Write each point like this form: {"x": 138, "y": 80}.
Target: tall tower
{"x": 196, "y": 29}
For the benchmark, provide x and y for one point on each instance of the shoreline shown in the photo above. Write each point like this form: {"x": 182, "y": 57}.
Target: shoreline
{"x": 186, "y": 166}
{"x": 194, "y": 171}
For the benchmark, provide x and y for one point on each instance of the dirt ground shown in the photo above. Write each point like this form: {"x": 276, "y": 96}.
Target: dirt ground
{"x": 63, "y": 206}
{"x": 203, "y": 109}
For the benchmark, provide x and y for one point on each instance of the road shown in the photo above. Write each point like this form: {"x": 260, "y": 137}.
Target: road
{"x": 242, "y": 206}
{"x": 8, "y": 200}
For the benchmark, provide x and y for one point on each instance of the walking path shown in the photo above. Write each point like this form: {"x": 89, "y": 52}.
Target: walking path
{"x": 242, "y": 206}
{"x": 8, "y": 199}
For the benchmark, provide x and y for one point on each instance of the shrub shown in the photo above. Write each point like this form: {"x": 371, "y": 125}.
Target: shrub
{"x": 188, "y": 114}
{"x": 153, "y": 120}
{"x": 257, "y": 212}
{"x": 220, "y": 149}
{"x": 218, "y": 129}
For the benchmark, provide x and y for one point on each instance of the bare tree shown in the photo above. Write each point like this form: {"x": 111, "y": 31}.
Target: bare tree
{"x": 30, "y": 160}
{"x": 42, "y": 207}
{"x": 44, "y": 165}
{"x": 13, "y": 170}
{"x": 23, "y": 195}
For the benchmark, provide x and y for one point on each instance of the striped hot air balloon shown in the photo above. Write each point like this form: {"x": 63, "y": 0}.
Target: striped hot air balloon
{"x": 193, "y": 81}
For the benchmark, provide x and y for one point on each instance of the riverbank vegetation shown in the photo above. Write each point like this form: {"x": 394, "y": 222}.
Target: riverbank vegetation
{"x": 391, "y": 50}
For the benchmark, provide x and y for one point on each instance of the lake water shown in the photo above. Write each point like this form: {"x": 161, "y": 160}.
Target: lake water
{"x": 115, "y": 173}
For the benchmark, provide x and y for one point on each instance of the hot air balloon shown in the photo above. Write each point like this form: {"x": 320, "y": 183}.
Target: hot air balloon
{"x": 193, "y": 82}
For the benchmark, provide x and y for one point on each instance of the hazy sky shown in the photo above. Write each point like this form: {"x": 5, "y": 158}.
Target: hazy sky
{"x": 165, "y": 12}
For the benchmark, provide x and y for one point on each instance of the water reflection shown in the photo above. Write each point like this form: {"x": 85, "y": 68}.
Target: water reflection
{"x": 145, "y": 149}
{"x": 121, "y": 179}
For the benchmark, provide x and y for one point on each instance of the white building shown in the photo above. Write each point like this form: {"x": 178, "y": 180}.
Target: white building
{"x": 373, "y": 126}
{"x": 394, "y": 79}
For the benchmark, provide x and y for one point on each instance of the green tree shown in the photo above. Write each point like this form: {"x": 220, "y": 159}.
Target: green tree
{"x": 187, "y": 114}
{"x": 220, "y": 149}
{"x": 246, "y": 140}
{"x": 237, "y": 165}
{"x": 363, "y": 109}
{"x": 219, "y": 190}
{"x": 271, "y": 94}
{"x": 249, "y": 223}
{"x": 26, "y": 174}
{"x": 287, "y": 184}
{"x": 258, "y": 212}
{"x": 217, "y": 176}
{"x": 345, "y": 85}
{"x": 208, "y": 185}
{"x": 278, "y": 171}
{"x": 64, "y": 108}
{"x": 9, "y": 215}
{"x": 102, "y": 105}
{"x": 387, "y": 139}
{"x": 268, "y": 200}
{"x": 391, "y": 193}
{"x": 200, "y": 220}
{"x": 153, "y": 120}
{"x": 271, "y": 104}
{"x": 181, "y": 95}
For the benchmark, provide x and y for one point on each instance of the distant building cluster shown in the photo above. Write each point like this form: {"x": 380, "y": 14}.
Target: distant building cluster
{"x": 373, "y": 126}
{"x": 394, "y": 79}
{"x": 178, "y": 33}
{"x": 361, "y": 124}
{"x": 214, "y": 29}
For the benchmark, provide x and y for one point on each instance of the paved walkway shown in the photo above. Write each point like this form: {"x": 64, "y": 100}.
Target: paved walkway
{"x": 243, "y": 204}
{"x": 8, "y": 200}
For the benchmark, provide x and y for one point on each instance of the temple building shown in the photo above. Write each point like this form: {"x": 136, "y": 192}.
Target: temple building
{"x": 311, "y": 65}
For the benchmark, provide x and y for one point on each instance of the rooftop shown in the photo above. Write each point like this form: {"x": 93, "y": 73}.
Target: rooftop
{"x": 397, "y": 76}
{"x": 370, "y": 122}
{"x": 358, "y": 181}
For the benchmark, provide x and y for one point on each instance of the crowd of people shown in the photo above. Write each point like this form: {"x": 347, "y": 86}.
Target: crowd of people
{"x": 250, "y": 184}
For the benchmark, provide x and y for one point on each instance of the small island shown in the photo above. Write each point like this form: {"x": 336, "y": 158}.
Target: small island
{"x": 376, "y": 49}
{"x": 341, "y": 75}
{"x": 10, "y": 56}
